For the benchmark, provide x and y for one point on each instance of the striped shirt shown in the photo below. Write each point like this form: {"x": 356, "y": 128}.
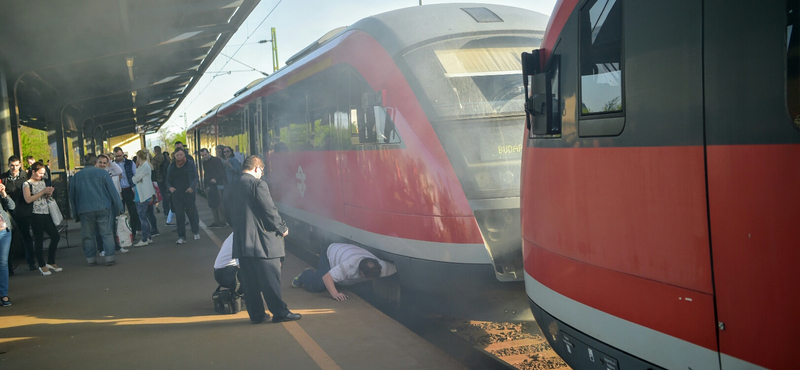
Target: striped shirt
{"x": 344, "y": 260}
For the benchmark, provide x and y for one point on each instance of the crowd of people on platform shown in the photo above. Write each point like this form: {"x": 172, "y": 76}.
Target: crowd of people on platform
{"x": 104, "y": 188}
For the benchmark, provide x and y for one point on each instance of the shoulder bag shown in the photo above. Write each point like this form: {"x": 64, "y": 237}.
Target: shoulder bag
{"x": 55, "y": 213}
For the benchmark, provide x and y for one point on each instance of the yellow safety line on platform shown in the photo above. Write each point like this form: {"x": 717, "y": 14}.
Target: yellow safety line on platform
{"x": 311, "y": 347}
{"x": 211, "y": 234}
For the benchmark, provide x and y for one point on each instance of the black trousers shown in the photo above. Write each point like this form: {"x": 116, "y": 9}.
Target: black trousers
{"x": 23, "y": 233}
{"x": 44, "y": 224}
{"x": 228, "y": 277}
{"x": 262, "y": 276}
{"x": 162, "y": 187}
{"x": 183, "y": 205}
{"x": 130, "y": 204}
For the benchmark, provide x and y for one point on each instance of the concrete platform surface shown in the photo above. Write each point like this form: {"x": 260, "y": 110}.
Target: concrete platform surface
{"x": 154, "y": 310}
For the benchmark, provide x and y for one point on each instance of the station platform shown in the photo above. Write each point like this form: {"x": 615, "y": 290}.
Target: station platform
{"x": 153, "y": 309}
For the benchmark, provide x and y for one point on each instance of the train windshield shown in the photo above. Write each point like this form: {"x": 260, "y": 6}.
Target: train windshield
{"x": 473, "y": 95}
{"x": 472, "y": 77}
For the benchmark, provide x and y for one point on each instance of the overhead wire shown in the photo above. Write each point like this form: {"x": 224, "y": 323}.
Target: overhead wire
{"x": 231, "y": 57}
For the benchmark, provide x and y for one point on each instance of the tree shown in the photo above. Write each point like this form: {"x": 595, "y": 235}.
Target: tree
{"x": 34, "y": 142}
{"x": 180, "y": 136}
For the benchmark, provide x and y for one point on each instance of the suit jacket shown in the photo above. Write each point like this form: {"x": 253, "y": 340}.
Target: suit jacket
{"x": 257, "y": 226}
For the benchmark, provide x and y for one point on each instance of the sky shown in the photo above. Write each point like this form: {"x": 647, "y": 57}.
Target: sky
{"x": 297, "y": 24}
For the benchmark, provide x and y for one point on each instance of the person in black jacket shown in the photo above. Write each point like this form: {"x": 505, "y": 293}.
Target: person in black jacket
{"x": 214, "y": 180}
{"x": 13, "y": 180}
{"x": 182, "y": 185}
{"x": 258, "y": 232}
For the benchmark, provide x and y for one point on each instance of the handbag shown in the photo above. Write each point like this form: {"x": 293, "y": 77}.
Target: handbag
{"x": 157, "y": 197}
{"x": 124, "y": 235}
{"x": 55, "y": 213}
{"x": 226, "y": 301}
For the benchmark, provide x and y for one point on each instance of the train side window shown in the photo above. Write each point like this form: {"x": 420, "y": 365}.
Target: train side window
{"x": 373, "y": 123}
{"x": 601, "y": 68}
{"x": 229, "y": 130}
{"x": 793, "y": 60}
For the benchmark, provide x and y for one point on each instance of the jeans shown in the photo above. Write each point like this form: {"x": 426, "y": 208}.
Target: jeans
{"x": 141, "y": 209}
{"x": 44, "y": 224}
{"x": 92, "y": 223}
{"x": 5, "y": 246}
{"x": 183, "y": 204}
{"x": 99, "y": 238}
{"x": 151, "y": 217}
{"x": 312, "y": 280}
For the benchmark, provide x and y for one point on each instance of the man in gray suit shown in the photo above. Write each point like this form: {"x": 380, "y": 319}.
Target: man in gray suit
{"x": 258, "y": 232}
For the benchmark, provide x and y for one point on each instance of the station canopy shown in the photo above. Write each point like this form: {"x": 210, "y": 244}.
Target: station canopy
{"x": 124, "y": 64}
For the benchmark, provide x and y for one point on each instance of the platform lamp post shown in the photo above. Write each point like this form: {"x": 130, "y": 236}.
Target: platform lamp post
{"x": 274, "y": 42}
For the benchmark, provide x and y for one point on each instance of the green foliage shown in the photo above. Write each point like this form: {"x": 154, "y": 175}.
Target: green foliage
{"x": 34, "y": 142}
{"x": 171, "y": 139}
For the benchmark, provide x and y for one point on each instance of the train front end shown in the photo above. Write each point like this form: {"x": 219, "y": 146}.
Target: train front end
{"x": 468, "y": 86}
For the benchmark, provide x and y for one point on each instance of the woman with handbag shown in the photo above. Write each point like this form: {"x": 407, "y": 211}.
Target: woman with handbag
{"x": 144, "y": 192}
{"x": 37, "y": 192}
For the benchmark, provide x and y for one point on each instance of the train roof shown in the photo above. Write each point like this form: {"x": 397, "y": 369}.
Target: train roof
{"x": 403, "y": 29}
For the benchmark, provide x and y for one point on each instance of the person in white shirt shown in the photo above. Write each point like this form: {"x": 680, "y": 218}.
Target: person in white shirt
{"x": 343, "y": 264}
{"x": 226, "y": 268}
{"x": 113, "y": 169}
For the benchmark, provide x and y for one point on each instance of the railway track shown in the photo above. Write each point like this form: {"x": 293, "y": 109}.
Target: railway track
{"x": 521, "y": 345}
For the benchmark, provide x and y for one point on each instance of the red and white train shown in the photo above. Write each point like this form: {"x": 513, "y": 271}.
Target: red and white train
{"x": 660, "y": 184}
{"x": 401, "y": 133}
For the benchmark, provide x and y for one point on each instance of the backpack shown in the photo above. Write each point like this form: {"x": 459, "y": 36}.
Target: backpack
{"x": 226, "y": 301}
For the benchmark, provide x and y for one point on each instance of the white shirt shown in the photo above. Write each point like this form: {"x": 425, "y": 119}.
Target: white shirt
{"x": 225, "y": 255}
{"x": 114, "y": 170}
{"x": 344, "y": 260}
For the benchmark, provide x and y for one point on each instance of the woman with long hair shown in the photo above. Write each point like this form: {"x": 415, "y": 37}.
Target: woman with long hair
{"x": 145, "y": 192}
{"x": 37, "y": 192}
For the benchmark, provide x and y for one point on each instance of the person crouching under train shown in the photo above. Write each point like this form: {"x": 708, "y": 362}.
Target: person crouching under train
{"x": 343, "y": 264}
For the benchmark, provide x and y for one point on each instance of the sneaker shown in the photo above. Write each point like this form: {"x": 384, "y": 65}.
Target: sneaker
{"x": 181, "y": 241}
{"x": 296, "y": 282}
{"x": 141, "y": 243}
{"x": 196, "y": 236}
{"x": 170, "y": 224}
{"x": 103, "y": 254}
{"x": 6, "y": 301}
{"x": 152, "y": 235}
{"x": 123, "y": 250}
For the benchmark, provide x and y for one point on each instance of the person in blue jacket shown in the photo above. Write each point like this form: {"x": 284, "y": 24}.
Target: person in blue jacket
{"x": 92, "y": 195}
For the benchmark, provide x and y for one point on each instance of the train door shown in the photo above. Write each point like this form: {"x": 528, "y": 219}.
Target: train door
{"x": 256, "y": 128}
{"x": 243, "y": 142}
{"x": 752, "y": 104}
